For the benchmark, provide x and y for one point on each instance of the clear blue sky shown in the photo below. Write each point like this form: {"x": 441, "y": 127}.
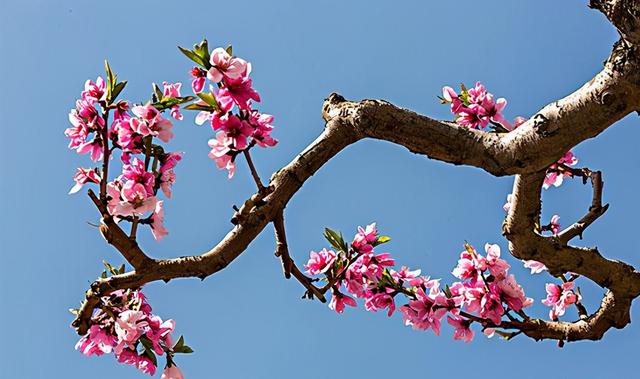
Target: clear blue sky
{"x": 247, "y": 321}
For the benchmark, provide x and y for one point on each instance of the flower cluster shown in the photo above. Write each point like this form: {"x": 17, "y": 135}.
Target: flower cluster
{"x": 124, "y": 325}
{"x": 559, "y": 170}
{"x": 355, "y": 271}
{"x": 228, "y": 104}
{"x": 476, "y": 107}
{"x": 559, "y": 297}
{"x": 146, "y": 167}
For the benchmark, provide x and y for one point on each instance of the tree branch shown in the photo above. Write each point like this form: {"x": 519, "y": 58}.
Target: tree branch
{"x": 526, "y": 151}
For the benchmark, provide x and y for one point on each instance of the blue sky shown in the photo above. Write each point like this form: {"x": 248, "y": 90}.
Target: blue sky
{"x": 247, "y": 321}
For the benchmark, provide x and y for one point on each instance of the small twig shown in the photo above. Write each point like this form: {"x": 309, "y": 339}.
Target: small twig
{"x": 282, "y": 250}
{"x": 254, "y": 172}
{"x": 306, "y": 282}
{"x": 595, "y": 210}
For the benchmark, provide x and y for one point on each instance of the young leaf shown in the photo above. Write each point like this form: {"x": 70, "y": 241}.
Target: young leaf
{"x": 194, "y": 57}
{"x": 117, "y": 89}
{"x": 110, "y": 80}
{"x": 179, "y": 344}
{"x": 335, "y": 240}
{"x": 229, "y": 50}
{"x": 158, "y": 92}
{"x": 199, "y": 107}
{"x": 380, "y": 240}
{"x": 209, "y": 99}
{"x": 202, "y": 50}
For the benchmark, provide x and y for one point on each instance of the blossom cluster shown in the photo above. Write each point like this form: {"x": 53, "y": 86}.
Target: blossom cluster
{"x": 146, "y": 167}
{"x": 125, "y": 326}
{"x": 228, "y": 104}
{"x": 485, "y": 293}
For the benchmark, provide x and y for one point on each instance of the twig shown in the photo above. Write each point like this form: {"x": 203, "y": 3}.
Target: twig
{"x": 282, "y": 250}
{"x": 595, "y": 210}
{"x": 252, "y": 168}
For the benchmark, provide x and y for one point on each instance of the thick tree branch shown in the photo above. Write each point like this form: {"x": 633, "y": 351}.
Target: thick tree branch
{"x": 527, "y": 151}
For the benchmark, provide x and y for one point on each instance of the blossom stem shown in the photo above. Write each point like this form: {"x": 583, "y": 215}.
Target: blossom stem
{"x": 254, "y": 172}
{"x": 105, "y": 155}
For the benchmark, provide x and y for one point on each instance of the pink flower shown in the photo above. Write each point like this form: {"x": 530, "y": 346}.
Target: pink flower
{"x": 339, "y": 300}
{"x": 555, "y": 175}
{"x": 130, "y": 326}
{"x": 497, "y": 267}
{"x": 474, "y": 116}
{"x": 94, "y": 92}
{"x": 239, "y": 91}
{"x": 224, "y": 65}
{"x": 404, "y": 274}
{"x": 425, "y": 311}
{"x": 83, "y": 176}
{"x": 97, "y": 341}
{"x": 135, "y": 171}
{"x": 173, "y": 90}
{"x": 477, "y": 93}
{"x": 220, "y": 152}
{"x": 142, "y": 363}
{"x": 237, "y": 131}
{"x": 462, "y": 330}
{"x": 320, "y": 262}
{"x": 262, "y": 129}
{"x": 450, "y": 96}
{"x": 135, "y": 200}
{"x": 167, "y": 177}
{"x": 159, "y": 333}
{"x": 154, "y": 124}
{"x": 555, "y": 224}
{"x": 157, "y": 227}
{"x": 380, "y": 301}
{"x": 507, "y": 205}
{"x": 493, "y": 109}
{"x": 79, "y": 131}
{"x": 491, "y": 304}
{"x": 559, "y": 297}
{"x": 199, "y": 78}
{"x": 470, "y": 264}
{"x": 513, "y": 294}
{"x": 516, "y": 122}
{"x": 535, "y": 266}
{"x": 93, "y": 147}
{"x": 364, "y": 239}
{"x": 172, "y": 372}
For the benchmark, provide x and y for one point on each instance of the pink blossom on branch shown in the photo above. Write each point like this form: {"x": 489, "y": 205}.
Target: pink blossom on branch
{"x": 556, "y": 173}
{"x": 83, "y": 176}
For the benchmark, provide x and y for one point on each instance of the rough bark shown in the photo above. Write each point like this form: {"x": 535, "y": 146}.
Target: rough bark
{"x": 526, "y": 152}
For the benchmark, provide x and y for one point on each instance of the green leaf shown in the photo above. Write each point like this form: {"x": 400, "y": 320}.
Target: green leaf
{"x": 209, "y": 99}
{"x": 110, "y": 80}
{"x": 149, "y": 353}
{"x": 158, "y": 92}
{"x": 380, "y": 240}
{"x": 447, "y": 291}
{"x": 117, "y": 89}
{"x": 104, "y": 274}
{"x": 168, "y": 102}
{"x": 179, "y": 344}
{"x": 336, "y": 240}
{"x": 229, "y": 50}
{"x": 186, "y": 350}
{"x": 202, "y": 50}
{"x": 194, "y": 57}
{"x": 199, "y": 107}
{"x": 121, "y": 269}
